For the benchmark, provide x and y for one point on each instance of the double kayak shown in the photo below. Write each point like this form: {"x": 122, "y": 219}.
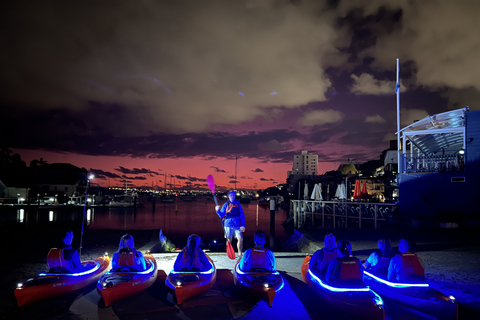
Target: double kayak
{"x": 188, "y": 284}
{"x": 57, "y": 283}
{"x": 416, "y": 295}
{"x": 259, "y": 282}
{"x": 126, "y": 281}
{"x": 360, "y": 301}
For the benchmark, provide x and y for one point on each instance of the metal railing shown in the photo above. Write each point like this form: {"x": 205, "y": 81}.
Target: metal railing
{"x": 341, "y": 214}
{"x": 433, "y": 163}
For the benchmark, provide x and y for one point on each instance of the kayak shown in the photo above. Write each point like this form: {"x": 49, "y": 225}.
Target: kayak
{"x": 187, "y": 284}
{"x": 125, "y": 282}
{"x": 360, "y": 301}
{"x": 419, "y": 296}
{"x": 53, "y": 284}
{"x": 259, "y": 282}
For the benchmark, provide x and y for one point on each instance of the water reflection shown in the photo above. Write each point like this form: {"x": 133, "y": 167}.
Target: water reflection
{"x": 89, "y": 216}
{"x": 20, "y": 215}
{"x": 178, "y": 219}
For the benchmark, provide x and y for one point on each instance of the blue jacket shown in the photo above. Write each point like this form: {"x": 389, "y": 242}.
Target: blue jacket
{"x": 233, "y": 215}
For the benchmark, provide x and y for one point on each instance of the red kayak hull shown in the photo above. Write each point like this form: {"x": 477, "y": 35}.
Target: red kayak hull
{"x": 114, "y": 286}
{"x": 360, "y": 305}
{"x": 49, "y": 285}
{"x": 424, "y": 299}
{"x": 187, "y": 284}
{"x": 263, "y": 284}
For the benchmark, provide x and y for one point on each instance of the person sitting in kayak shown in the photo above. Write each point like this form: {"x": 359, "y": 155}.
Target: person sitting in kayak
{"x": 322, "y": 257}
{"x": 258, "y": 256}
{"x": 65, "y": 257}
{"x": 345, "y": 270}
{"x": 127, "y": 257}
{"x": 405, "y": 266}
{"x": 192, "y": 257}
{"x": 379, "y": 260}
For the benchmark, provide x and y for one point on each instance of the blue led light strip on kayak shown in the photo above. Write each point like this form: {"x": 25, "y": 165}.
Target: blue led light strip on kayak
{"x": 194, "y": 272}
{"x": 336, "y": 289}
{"x": 395, "y": 284}
{"x": 378, "y": 299}
{"x": 152, "y": 266}
{"x": 78, "y": 274}
{"x": 237, "y": 268}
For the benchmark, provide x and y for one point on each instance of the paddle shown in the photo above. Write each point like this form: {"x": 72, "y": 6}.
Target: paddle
{"x": 211, "y": 185}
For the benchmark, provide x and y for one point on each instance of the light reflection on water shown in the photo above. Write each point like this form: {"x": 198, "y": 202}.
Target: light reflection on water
{"x": 178, "y": 219}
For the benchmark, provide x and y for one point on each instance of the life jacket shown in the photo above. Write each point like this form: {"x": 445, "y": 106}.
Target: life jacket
{"x": 196, "y": 261}
{"x": 411, "y": 265}
{"x": 126, "y": 259}
{"x": 232, "y": 210}
{"x": 349, "y": 269}
{"x": 55, "y": 259}
{"x": 382, "y": 264}
{"x": 327, "y": 258}
{"x": 259, "y": 259}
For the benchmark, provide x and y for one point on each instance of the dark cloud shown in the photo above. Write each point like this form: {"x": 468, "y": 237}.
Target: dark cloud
{"x": 136, "y": 171}
{"x": 216, "y": 169}
{"x": 161, "y": 79}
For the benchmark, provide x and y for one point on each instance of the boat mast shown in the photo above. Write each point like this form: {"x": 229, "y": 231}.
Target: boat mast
{"x": 235, "y": 174}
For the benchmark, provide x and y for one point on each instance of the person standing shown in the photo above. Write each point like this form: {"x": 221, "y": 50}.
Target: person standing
{"x": 233, "y": 219}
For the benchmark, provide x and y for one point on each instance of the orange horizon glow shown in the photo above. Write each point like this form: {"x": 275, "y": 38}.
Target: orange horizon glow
{"x": 196, "y": 168}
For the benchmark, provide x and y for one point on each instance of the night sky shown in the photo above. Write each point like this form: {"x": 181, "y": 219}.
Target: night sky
{"x": 140, "y": 89}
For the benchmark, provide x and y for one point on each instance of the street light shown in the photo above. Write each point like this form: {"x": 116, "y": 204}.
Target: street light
{"x": 90, "y": 177}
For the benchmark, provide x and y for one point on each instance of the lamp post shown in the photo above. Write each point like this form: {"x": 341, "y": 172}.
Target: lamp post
{"x": 84, "y": 208}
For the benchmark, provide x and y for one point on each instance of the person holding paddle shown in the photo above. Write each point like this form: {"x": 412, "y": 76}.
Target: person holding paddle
{"x": 233, "y": 221}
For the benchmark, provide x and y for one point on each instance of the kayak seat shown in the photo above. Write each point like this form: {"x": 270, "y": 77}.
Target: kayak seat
{"x": 125, "y": 269}
{"x": 350, "y": 283}
{"x": 258, "y": 269}
{"x": 59, "y": 270}
{"x": 195, "y": 269}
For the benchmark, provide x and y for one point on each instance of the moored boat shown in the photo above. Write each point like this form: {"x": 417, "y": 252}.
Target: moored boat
{"x": 188, "y": 284}
{"x": 259, "y": 282}
{"x": 359, "y": 301}
{"x": 125, "y": 282}
{"x": 53, "y": 284}
{"x": 416, "y": 295}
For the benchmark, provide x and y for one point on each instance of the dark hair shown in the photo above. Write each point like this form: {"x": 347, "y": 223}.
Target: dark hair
{"x": 387, "y": 247}
{"x": 66, "y": 232}
{"x": 193, "y": 244}
{"x": 259, "y": 238}
{"x": 344, "y": 247}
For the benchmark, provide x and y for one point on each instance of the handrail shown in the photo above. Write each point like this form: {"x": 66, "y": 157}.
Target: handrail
{"x": 341, "y": 212}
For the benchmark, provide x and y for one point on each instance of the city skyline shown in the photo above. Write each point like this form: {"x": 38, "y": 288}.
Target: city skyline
{"x": 186, "y": 88}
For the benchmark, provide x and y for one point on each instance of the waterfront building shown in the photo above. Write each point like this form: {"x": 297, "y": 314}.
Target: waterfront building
{"x": 439, "y": 168}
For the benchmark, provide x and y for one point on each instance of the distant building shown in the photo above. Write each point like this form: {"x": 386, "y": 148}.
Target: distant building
{"x": 305, "y": 166}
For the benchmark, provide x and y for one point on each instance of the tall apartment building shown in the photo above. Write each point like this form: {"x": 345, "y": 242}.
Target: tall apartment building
{"x": 305, "y": 164}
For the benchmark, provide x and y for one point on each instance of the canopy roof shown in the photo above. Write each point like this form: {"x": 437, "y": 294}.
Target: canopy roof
{"x": 442, "y": 132}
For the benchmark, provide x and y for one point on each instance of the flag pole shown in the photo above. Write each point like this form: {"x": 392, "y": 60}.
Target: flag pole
{"x": 397, "y": 91}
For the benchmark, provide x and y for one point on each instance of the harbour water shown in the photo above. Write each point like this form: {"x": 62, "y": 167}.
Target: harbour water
{"x": 177, "y": 220}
